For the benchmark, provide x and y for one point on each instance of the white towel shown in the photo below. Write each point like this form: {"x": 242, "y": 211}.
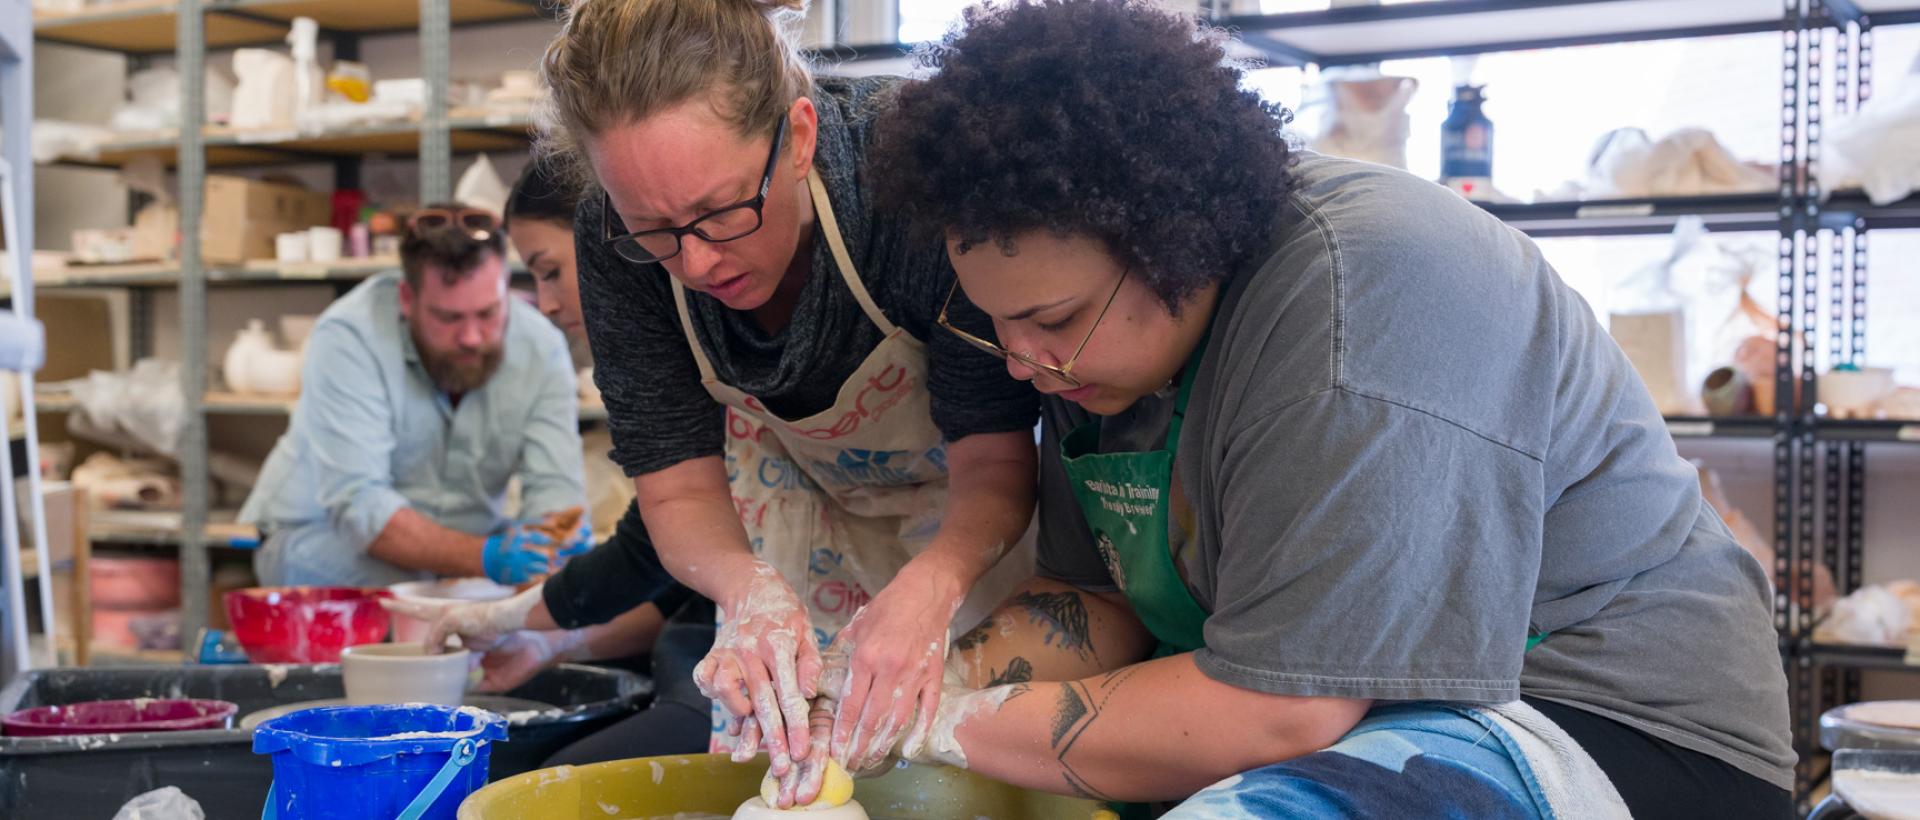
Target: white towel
{"x": 1574, "y": 786}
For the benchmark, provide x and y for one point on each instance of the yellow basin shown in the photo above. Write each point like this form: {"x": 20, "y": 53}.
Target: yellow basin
{"x": 661, "y": 787}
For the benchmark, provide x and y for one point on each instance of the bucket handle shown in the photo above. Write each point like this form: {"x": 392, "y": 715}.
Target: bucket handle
{"x": 464, "y": 751}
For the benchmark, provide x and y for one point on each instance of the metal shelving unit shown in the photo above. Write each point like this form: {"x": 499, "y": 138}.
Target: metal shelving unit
{"x": 149, "y": 27}
{"x": 188, "y": 29}
{"x": 1827, "y": 675}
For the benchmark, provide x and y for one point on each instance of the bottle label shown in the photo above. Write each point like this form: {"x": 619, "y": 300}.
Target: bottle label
{"x": 1467, "y": 152}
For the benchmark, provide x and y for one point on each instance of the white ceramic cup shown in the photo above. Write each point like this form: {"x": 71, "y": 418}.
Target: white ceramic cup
{"x": 291, "y": 247}
{"x": 404, "y": 673}
{"x": 323, "y": 244}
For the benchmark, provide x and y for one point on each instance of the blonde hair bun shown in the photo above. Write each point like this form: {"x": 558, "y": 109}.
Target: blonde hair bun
{"x": 621, "y": 61}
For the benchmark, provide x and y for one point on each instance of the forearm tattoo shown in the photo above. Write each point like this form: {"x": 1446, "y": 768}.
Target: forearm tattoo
{"x": 976, "y": 637}
{"x": 1064, "y": 616}
{"x": 1019, "y": 670}
{"x": 1078, "y": 707}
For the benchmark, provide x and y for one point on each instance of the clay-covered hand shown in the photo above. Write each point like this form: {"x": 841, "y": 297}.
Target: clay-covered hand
{"x": 517, "y": 656}
{"x": 514, "y": 555}
{"x": 478, "y": 623}
{"x": 895, "y": 645}
{"x": 763, "y": 668}
{"x": 817, "y": 779}
{"x": 933, "y": 740}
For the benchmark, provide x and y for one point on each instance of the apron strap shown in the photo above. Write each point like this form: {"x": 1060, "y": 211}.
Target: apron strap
{"x": 1188, "y": 375}
{"x": 822, "y": 211}
{"x": 686, "y": 326}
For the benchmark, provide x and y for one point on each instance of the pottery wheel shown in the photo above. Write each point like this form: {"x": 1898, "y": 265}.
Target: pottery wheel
{"x": 757, "y": 809}
{"x": 492, "y": 703}
{"x": 1887, "y": 724}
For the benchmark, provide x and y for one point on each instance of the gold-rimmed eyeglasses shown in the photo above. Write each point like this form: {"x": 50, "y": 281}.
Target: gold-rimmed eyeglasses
{"x": 1063, "y": 372}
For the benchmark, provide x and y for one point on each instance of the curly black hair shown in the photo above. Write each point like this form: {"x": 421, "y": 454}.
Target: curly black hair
{"x": 1111, "y": 119}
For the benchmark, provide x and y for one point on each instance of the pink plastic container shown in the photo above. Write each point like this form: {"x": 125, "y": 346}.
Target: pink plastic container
{"x": 134, "y": 583}
{"x": 120, "y": 716}
{"x": 305, "y": 624}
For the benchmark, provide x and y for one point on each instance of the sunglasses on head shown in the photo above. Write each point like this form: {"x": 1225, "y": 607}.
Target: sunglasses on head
{"x": 475, "y": 222}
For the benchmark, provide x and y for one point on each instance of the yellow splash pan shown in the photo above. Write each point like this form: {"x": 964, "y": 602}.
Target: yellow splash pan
{"x": 661, "y": 787}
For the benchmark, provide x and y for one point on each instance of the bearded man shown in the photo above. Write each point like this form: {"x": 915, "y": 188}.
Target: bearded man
{"x": 424, "y": 391}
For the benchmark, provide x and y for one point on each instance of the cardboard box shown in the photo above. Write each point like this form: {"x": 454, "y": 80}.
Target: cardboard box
{"x": 241, "y": 218}
{"x": 60, "y": 500}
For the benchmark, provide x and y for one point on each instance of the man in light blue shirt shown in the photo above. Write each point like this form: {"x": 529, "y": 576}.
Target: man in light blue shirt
{"x": 423, "y": 393}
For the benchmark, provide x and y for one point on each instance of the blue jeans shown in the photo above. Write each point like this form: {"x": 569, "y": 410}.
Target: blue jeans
{"x": 1402, "y": 760}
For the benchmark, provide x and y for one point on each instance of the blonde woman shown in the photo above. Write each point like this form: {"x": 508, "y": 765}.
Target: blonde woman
{"x": 807, "y": 450}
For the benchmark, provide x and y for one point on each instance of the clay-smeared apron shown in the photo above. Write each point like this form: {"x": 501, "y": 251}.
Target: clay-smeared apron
{"x": 838, "y": 501}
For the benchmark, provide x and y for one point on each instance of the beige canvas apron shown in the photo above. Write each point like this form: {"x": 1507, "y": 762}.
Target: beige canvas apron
{"x": 838, "y": 501}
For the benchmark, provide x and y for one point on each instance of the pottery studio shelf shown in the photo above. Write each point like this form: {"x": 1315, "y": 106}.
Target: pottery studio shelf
{"x": 1371, "y": 34}
{"x": 222, "y": 403}
{"x": 1883, "y": 430}
{"x": 215, "y": 402}
{"x": 472, "y": 130}
{"x": 162, "y": 528}
{"x": 168, "y": 275}
{"x": 1720, "y": 427}
{"x": 1862, "y": 657}
{"x": 1728, "y": 213}
{"x": 148, "y": 26}
{"x": 1762, "y": 427}
{"x": 1376, "y": 33}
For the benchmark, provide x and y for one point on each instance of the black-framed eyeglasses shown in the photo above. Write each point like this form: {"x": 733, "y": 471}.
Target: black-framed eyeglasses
{"x": 474, "y": 222}
{"x": 722, "y": 225}
{"x": 1063, "y": 372}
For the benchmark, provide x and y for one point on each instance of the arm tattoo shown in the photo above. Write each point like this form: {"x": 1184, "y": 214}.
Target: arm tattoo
{"x": 976, "y": 637}
{"x": 1019, "y": 670}
{"x": 1065, "y": 617}
{"x": 1079, "y": 707}
{"x": 1072, "y": 709}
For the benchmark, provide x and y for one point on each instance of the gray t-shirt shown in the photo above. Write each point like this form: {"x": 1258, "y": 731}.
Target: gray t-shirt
{"x": 1410, "y": 446}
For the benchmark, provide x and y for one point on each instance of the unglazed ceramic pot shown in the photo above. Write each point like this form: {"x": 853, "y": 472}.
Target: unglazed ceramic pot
{"x": 254, "y": 365}
{"x": 404, "y": 673}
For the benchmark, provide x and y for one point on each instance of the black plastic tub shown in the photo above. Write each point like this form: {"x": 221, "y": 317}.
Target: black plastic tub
{"x": 91, "y": 776}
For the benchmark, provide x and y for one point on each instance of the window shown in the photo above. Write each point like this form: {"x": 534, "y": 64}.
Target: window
{"x": 923, "y": 20}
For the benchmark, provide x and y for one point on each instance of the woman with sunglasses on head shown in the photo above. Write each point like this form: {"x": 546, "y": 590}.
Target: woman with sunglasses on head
{"x": 673, "y": 628}
{"x": 806, "y": 451}
{"x": 1349, "y": 505}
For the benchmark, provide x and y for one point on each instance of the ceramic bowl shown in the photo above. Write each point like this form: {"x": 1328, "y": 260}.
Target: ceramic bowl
{"x": 404, "y": 673}
{"x": 408, "y": 629}
{"x": 1852, "y": 393}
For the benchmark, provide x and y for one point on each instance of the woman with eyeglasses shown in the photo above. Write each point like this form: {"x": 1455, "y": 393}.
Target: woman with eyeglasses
{"x": 1349, "y": 506}
{"x": 806, "y": 450}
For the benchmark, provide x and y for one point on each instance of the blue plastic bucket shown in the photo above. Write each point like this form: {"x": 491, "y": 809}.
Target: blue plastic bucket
{"x": 413, "y": 761}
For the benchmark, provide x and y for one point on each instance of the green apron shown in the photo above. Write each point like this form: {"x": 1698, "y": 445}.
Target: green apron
{"x": 1125, "y": 498}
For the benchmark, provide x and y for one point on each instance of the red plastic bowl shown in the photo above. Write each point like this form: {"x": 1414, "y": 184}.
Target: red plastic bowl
{"x": 305, "y": 624}
{"x": 104, "y": 716}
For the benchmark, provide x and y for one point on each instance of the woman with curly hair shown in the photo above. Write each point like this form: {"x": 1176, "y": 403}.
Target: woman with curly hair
{"x": 1349, "y": 505}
